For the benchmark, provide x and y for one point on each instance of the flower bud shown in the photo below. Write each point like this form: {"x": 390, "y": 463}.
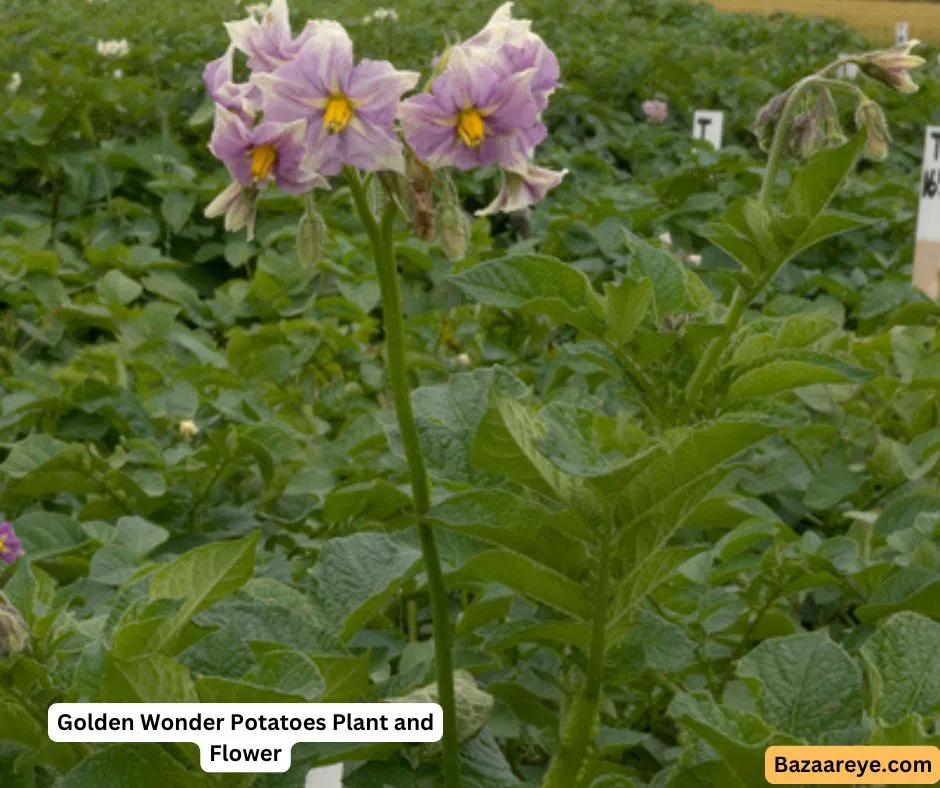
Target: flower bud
{"x": 188, "y": 428}
{"x": 766, "y": 121}
{"x": 454, "y": 231}
{"x": 891, "y": 66}
{"x": 454, "y": 226}
{"x": 871, "y": 117}
{"x": 311, "y": 235}
{"x": 420, "y": 182}
{"x": 14, "y": 634}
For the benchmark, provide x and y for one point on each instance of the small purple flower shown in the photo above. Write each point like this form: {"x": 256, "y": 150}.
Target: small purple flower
{"x": 349, "y": 109}
{"x": 477, "y": 113}
{"x": 256, "y": 157}
{"x": 243, "y": 100}
{"x": 268, "y": 43}
{"x": 655, "y": 111}
{"x": 522, "y": 189}
{"x": 11, "y": 547}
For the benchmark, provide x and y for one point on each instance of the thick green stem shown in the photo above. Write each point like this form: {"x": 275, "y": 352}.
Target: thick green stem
{"x": 580, "y": 722}
{"x": 380, "y": 235}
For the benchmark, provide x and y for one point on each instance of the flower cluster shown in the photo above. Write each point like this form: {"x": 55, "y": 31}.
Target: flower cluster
{"x": 11, "y": 547}
{"x": 114, "y": 48}
{"x": 485, "y": 107}
{"x": 308, "y": 109}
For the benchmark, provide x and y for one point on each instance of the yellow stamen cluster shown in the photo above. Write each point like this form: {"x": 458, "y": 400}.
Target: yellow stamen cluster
{"x": 339, "y": 111}
{"x": 263, "y": 159}
{"x": 470, "y": 127}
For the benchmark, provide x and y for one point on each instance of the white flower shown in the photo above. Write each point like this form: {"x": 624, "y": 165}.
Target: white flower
{"x": 188, "y": 428}
{"x": 114, "y": 48}
{"x": 118, "y": 73}
{"x": 15, "y": 81}
{"x": 666, "y": 238}
{"x": 381, "y": 13}
{"x": 694, "y": 259}
{"x": 463, "y": 360}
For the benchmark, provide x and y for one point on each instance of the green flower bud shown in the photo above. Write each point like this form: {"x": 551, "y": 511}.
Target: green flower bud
{"x": 871, "y": 117}
{"x": 14, "y": 635}
{"x": 311, "y": 235}
{"x": 454, "y": 225}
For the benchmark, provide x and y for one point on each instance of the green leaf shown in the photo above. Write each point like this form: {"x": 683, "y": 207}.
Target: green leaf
{"x": 626, "y": 306}
{"x": 827, "y": 225}
{"x": 448, "y": 416}
{"x": 817, "y": 183}
{"x": 785, "y": 375}
{"x": 517, "y": 524}
{"x": 290, "y": 672}
{"x": 177, "y": 207}
{"x": 903, "y": 658}
{"x": 151, "y": 679}
{"x": 808, "y": 687}
{"x": 911, "y": 588}
{"x": 139, "y": 765}
{"x": 535, "y": 284}
{"x": 737, "y": 737}
{"x": 675, "y": 287}
{"x": 358, "y": 574}
{"x": 117, "y": 288}
{"x": 201, "y": 578}
{"x": 529, "y": 579}
{"x": 48, "y": 534}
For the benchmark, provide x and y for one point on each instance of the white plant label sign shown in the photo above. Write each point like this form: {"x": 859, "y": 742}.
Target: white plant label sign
{"x": 325, "y": 777}
{"x": 901, "y": 31}
{"x": 927, "y": 249}
{"x": 708, "y": 124}
{"x": 847, "y": 70}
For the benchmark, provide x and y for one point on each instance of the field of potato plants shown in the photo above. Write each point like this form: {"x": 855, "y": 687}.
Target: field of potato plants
{"x": 421, "y": 354}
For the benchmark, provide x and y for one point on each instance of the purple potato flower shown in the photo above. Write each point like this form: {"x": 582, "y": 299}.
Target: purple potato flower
{"x": 242, "y": 99}
{"x": 11, "y": 547}
{"x": 349, "y": 108}
{"x": 484, "y": 107}
{"x": 268, "y": 43}
{"x": 256, "y": 157}
{"x": 477, "y": 113}
{"x": 513, "y": 41}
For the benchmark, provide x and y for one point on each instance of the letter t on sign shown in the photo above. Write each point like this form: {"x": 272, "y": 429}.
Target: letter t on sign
{"x": 927, "y": 250}
{"x": 709, "y": 125}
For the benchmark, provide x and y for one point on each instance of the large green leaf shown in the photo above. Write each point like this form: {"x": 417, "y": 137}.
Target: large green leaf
{"x": 518, "y": 524}
{"x": 201, "y": 578}
{"x": 151, "y": 679}
{"x": 783, "y": 375}
{"x": 536, "y": 284}
{"x": 530, "y": 579}
{"x": 904, "y": 666}
{"x": 808, "y": 687}
{"x": 356, "y": 575}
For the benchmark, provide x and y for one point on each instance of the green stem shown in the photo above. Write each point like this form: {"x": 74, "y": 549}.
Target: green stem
{"x": 706, "y": 365}
{"x": 580, "y": 723}
{"x": 743, "y": 297}
{"x": 380, "y": 235}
